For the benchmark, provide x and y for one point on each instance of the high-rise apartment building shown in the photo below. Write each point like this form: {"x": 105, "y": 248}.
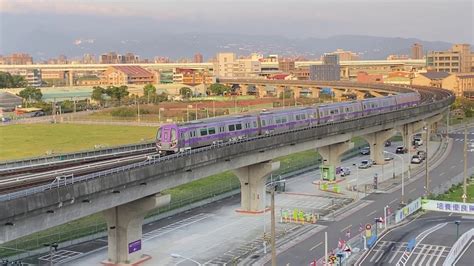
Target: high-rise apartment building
{"x": 330, "y": 69}
{"x": 344, "y": 55}
{"x": 16, "y": 59}
{"x": 130, "y": 58}
{"x": 227, "y": 65}
{"x": 88, "y": 59}
{"x": 456, "y": 60}
{"x": 417, "y": 51}
{"x": 286, "y": 66}
{"x": 198, "y": 58}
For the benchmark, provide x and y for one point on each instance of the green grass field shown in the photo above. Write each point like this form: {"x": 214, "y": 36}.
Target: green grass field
{"x": 455, "y": 193}
{"x": 21, "y": 141}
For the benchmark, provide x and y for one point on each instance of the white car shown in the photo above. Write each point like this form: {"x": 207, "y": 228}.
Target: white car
{"x": 416, "y": 159}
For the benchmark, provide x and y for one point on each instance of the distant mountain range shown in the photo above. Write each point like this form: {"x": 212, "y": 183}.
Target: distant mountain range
{"x": 46, "y": 38}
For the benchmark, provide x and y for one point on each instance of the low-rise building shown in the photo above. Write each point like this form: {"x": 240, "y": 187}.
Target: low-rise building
{"x": 364, "y": 77}
{"x": 227, "y": 65}
{"x": 443, "y": 80}
{"x": 123, "y": 75}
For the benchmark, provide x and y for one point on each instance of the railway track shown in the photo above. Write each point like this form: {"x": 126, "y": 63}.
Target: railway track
{"x": 20, "y": 181}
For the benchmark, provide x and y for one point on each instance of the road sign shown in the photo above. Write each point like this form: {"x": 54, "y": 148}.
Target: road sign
{"x": 368, "y": 227}
{"x": 464, "y": 196}
{"x": 332, "y": 259}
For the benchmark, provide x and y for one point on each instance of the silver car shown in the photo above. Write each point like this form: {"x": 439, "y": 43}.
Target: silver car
{"x": 366, "y": 164}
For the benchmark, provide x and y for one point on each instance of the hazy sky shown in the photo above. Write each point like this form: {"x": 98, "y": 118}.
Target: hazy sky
{"x": 443, "y": 20}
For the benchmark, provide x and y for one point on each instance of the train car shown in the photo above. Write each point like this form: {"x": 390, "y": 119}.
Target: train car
{"x": 405, "y": 100}
{"x": 174, "y": 138}
{"x": 287, "y": 119}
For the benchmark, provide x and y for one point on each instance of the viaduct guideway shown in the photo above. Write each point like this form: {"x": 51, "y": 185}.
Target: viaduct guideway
{"x": 125, "y": 194}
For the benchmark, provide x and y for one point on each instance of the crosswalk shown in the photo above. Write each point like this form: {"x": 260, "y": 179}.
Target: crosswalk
{"x": 175, "y": 226}
{"x": 59, "y": 256}
{"x": 424, "y": 254}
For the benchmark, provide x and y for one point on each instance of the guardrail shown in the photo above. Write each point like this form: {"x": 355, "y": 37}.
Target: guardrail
{"x": 458, "y": 247}
{"x": 6, "y": 166}
{"x": 154, "y": 160}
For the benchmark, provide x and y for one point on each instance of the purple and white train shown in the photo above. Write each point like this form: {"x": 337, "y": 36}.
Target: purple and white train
{"x": 172, "y": 138}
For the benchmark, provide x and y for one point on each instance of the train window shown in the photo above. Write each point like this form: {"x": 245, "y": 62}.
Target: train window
{"x": 303, "y": 116}
{"x": 284, "y": 120}
{"x": 278, "y": 121}
{"x": 238, "y": 126}
{"x": 297, "y": 117}
{"x": 203, "y": 131}
{"x": 212, "y": 131}
{"x": 221, "y": 129}
{"x": 231, "y": 127}
{"x": 263, "y": 122}
{"x": 254, "y": 123}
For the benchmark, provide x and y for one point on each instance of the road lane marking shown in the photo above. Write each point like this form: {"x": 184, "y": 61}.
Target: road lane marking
{"x": 427, "y": 253}
{"x": 347, "y": 227}
{"x": 450, "y": 214}
{"x": 412, "y": 190}
{"x": 396, "y": 253}
{"x": 370, "y": 214}
{"x": 442, "y": 174}
{"x": 453, "y": 166}
{"x": 439, "y": 255}
{"x": 392, "y": 201}
{"x": 435, "y": 250}
{"x": 419, "y": 255}
{"x": 317, "y": 245}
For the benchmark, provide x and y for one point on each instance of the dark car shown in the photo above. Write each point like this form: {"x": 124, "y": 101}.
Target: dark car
{"x": 388, "y": 143}
{"x": 365, "y": 151}
{"x": 38, "y": 113}
{"x": 400, "y": 150}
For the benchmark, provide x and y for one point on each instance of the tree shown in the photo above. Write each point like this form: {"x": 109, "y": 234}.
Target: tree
{"x": 149, "y": 91}
{"x": 163, "y": 97}
{"x": 12, "y": 81}
{"x": 185, "y": 92}
{"x": 218, "y": 89}
{"x": 117, "y": 93}
{"x": 30, "y": 93}
{"x": 98, "y": 94}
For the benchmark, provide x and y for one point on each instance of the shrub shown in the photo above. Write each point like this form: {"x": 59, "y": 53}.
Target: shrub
{"x": 124, "y": 112}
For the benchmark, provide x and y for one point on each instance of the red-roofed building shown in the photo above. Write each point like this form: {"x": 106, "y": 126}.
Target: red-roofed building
{"x": 279, "y": 76}
{"x": 123, "y": 75}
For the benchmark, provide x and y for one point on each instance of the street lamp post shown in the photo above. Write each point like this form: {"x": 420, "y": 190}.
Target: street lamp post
{"x": 357, "y": 179}
{"x": 174, "y": 255}
{"x": 403, "y": 176}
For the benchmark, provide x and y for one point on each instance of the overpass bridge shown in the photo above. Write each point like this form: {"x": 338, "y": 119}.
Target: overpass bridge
{"x": 125, "y": 194}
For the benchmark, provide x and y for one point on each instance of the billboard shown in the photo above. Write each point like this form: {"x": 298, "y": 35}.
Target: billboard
{"x": 404, "y": 212}
{"x": 328, "y": 172}
{"x": 448, "y": 206}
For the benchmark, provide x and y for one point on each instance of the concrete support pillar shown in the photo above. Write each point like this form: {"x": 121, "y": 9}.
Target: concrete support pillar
{"x": 338, "y": 94}
{"x": 279, "y": 90}
{"x": 377, "y": 143}
{"x": 70, "y": 76}
{"x": 244, "y": 89}
{"x": 314, "y": 92}
{"x": 296, "y": 91}
{"x": 332, "y": 153}
{"x": 124, "y": 226}
{"x": 261, "y": 91}
{"x": 252, "y": 182}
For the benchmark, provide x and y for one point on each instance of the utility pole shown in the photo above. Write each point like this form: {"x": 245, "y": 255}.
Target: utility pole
{"x": 427, "y": 177}
{"x": 464, "y": 189}
{"x": 138, "y": 109}
{"x": 273, "y": 226}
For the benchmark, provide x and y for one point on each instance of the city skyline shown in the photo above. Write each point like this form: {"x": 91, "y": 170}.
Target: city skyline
{"x": 326, "y": 18}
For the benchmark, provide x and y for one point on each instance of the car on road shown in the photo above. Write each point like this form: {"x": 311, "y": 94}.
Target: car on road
{"x": 366, "y": 164}
{"x": 5, "y": 119}
{"x": 365, "y": 151}
{"x": 416, "y": 159}
{"x": 418, "y": 141}
{"x": 388, "y": 158}
{"x": 388, "y": 143}
{"x": 345, "y": 171}
{"x": 400, "y": 150}
{"x": 422, "y": 155}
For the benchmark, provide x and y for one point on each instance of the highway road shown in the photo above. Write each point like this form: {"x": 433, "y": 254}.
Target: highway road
{"x": 313, "y": 247}
{"x": 439, "y": 230}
